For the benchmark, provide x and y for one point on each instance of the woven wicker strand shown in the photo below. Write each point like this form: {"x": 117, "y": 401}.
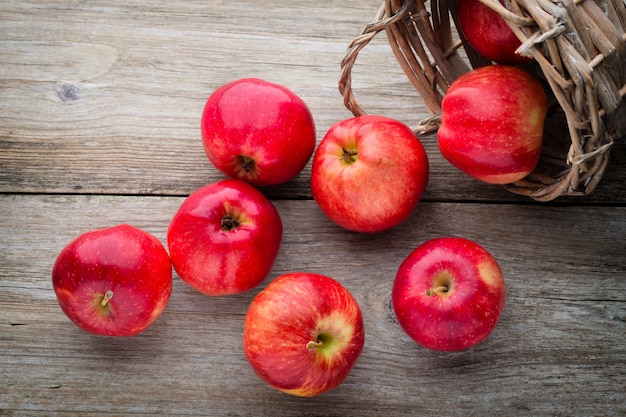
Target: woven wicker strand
{"x": 579, "y": 51}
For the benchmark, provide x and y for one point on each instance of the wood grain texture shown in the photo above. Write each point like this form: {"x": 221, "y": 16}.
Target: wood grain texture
{"x": 99, "y": 124}
{"x": 558, "y": 349}
{"x": 101, "y": 98}
{"x": 116, "y": 92}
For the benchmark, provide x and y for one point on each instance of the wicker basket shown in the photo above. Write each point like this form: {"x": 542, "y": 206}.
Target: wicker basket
{"x": 579, "y": 50}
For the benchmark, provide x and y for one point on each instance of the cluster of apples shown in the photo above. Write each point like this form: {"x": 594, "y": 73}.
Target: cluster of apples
{"x": 304, "y": 331}
{"x": 493, "y": 117}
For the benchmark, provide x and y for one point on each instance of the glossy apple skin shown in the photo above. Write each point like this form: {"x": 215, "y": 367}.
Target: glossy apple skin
{"x": 128, "y": 261}
{"x": 463, "y": 315}
{"x": 262, "y": 121}
{"x": 492, "y": 124}
{"x": 488, "y": 33}
{"x": 213, "y": 255}
{"x": 384, "y": 183}
{"x": 286, "y": 316}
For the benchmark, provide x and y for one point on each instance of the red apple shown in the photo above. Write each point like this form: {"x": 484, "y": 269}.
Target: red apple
{"x": 369, "y": 173}
{"x": 225, "y": 238}
{"x": 114, "y": 281}
{"x": 488, "y": 33}
{"x": 257, "y": 131}
{"x": 448, "y": 294}
{"x": 492, "y": 123}
{"x": 303, "y": 333}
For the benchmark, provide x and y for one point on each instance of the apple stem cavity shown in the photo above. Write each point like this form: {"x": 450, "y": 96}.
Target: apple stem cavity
{"x": 229, "y": 223}
{"x": 246, "y": 162}
{"x": 443, "y": 284}
{"x": 107, "y": 297}
{"x": 349, "y": 155}
{"x": 323, "y": 339}
{"x": 442, "y": 289}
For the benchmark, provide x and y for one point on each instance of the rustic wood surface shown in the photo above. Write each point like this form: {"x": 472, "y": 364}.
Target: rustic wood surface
{"x": 99, "y": 125}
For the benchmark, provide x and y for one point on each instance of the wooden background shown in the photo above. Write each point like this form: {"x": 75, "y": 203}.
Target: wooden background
{"x": 99, "y": 124}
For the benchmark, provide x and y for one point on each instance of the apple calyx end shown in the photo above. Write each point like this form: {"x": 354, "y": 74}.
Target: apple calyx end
{"x": 349, "y": 156}
{"x": 229, "y": 223}
{"x": 246, "y": 163}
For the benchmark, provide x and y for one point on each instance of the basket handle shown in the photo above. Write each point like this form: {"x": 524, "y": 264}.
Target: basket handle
{"x": 347, "y": 63}
{"x": 428, "y": 78}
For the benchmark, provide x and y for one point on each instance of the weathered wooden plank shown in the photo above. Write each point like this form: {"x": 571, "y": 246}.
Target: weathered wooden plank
{"x": 556, "y": 351}
{"x": 100, "y": 98}
{"x": 116, "y": 92}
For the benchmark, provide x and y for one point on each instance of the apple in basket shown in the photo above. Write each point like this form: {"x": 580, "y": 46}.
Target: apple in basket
{"x": 224, "y": 238}
{"x": 303, "y": 333}
{"x": 114, "y": 281}
{"x": 448, "y": 294}
{"x": 488, "y": 33}
{"x": 492, "y": 123}
{"x": 369, "y": 173}
{"x": 257, "y": 131}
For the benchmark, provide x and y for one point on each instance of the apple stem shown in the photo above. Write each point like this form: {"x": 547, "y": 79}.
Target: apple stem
{"x": 314, "y": 344}
{"x": 439, "y": 290}
{"x": 107, "y": 297}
